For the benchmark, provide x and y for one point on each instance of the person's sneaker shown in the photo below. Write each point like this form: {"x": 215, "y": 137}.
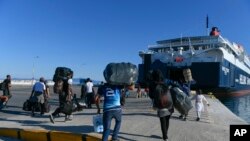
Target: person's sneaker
{"x": 198, "y": 119}
{"x": 67, "y": 119}
{"x": 184, "y": 119}
{"x": 51, "y": 117}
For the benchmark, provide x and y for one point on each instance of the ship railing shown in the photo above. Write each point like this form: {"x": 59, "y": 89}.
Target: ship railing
{"x": 231, "y": 45}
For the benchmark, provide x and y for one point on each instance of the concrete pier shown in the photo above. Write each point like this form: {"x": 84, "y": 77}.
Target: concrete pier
{"x": 139, "y": 122}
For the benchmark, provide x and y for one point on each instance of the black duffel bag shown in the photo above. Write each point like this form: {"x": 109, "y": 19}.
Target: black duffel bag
{"x": 67, "y": 107}
{"x": 27, "y": 105}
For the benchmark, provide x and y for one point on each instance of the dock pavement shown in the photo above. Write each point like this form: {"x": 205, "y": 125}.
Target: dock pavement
{"x": 139, "y": 123}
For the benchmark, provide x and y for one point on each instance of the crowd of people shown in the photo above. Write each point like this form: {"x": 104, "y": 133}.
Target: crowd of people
{"x": 112, "y": 95}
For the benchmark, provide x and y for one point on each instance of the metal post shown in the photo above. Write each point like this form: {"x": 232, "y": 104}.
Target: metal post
{"x": 33, "y": 70}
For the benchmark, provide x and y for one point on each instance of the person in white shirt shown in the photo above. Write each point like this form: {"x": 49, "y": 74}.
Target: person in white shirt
{"x": 199, "y": 105}
{"x": 37, "y": 96}
{"x": 90, "y": 92}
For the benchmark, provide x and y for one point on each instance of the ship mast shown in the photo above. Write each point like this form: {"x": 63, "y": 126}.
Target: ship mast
{"x": 207, "y": 25}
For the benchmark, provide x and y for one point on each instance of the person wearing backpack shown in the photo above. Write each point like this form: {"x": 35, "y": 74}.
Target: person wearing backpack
{"x": 162, "y": 100}
{"x": 65, "y": 99}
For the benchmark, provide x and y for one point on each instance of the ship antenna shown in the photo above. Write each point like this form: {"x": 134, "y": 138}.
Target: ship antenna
{"x": 207, "y": 22}
{"x": 190, "y": 46}
{"x": 181, "y": 38}
{"x": 171, "y": 49}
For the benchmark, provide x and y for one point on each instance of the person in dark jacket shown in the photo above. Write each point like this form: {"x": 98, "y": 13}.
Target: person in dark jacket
{"x": 7, "y": 89}
{"x": 164, "y": 113}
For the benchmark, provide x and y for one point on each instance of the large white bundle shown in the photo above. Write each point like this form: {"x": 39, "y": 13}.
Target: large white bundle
{"x": 121, "y": 73}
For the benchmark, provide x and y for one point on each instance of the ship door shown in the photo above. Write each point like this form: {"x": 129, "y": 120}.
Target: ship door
{"x": 232, "y": 75}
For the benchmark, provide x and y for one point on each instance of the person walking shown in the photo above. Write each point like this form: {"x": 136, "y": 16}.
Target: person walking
{"x": 185, "y": 87}
{"x": 90, "y": 92}
{"x": 83, "y": 91}
{"x": 139, "y": 92}
{"x": 111, "y": 109}
{"x": 37, "y": 96}
{"x": 162, "y": 100}
{"x": 199, "y": 105}
{"x": 64, "y": 96}
{"x": 7, "y": 87}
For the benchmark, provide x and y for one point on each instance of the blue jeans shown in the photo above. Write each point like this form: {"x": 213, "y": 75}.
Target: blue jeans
{"x": 107, "y": 117}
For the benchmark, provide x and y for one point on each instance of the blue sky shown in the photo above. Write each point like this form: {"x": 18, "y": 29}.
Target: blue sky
{"x": 86, "y": 35}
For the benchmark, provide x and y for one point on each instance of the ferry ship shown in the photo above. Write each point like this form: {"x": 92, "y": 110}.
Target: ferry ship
{"x": 217, "y": 65}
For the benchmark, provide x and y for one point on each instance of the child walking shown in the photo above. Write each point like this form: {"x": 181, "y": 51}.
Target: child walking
{"x": 199, "y": 104}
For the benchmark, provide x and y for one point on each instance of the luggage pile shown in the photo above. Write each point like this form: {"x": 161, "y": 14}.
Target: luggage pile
{"x": 27, "y": 105}
{"x": 61, "y": 73}
{"x": 121, "y": 73}
{"x": 59, "y": 76}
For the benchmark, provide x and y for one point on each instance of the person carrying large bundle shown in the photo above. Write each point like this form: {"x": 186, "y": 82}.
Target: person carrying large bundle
{"x": 63, "y": 87}
{"x": 117, "y": 76}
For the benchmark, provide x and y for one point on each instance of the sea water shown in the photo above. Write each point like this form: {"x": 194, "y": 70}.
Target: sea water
{"x": 240, "y": 106}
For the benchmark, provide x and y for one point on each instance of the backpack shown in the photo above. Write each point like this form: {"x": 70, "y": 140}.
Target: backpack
{"x": 162, "y": 97}
{"x": 2, "y": 86}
